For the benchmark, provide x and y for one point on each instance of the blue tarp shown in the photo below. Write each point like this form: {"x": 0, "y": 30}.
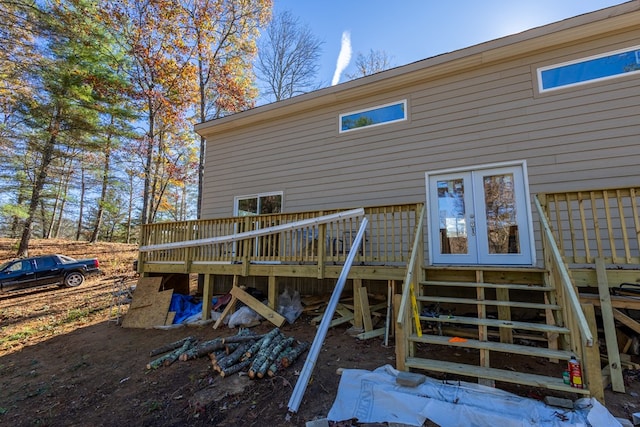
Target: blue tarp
{"x": 185, "y": 307}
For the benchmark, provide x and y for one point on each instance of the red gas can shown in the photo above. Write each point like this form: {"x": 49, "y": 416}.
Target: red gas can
{"x": 575, "y": 373}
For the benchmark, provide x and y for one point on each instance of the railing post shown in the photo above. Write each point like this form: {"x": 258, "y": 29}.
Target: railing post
{"x": 322, "y": 249}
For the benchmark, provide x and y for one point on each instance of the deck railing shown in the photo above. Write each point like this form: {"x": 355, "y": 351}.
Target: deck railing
{"x": 387, "y": 240}
{"x": 596, "y": 224}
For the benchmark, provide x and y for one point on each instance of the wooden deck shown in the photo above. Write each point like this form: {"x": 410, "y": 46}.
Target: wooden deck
{"x": 588, "y": 239}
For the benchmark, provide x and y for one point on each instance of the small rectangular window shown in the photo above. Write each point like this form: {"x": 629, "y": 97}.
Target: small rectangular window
{"x": 594, "y": 68}
{"x": 258, "y": 204}
{"x": 384, "y": 114}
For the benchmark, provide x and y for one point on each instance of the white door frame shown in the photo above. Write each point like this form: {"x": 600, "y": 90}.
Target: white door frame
{"x": 528, "y": 256}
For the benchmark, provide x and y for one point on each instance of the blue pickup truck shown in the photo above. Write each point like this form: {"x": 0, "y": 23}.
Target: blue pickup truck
{"x": 46, "y": 270}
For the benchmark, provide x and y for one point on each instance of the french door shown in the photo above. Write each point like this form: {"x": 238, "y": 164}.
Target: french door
{"x": 480, "y": 216}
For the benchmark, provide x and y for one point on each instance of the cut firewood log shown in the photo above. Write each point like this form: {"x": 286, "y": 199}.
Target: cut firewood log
{"x": 242, "y": 338}
{"x": 265, "y": 341}
{"x": 169, "y": 358}
{"x": 202, "y": 349}
{"x": 231, "y": 347}
{"x": 168, "y": 347}
{"x": 235, "y": 368}
{"x": 263, "y": 354}
{"x": 284, "y": 343}
{"x": 232, "y": 358}
{"x": 294, "y": 354}
{"x": 276, "y": 365}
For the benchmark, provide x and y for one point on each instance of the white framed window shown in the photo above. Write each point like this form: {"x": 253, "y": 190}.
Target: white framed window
{"x": 258, "y": 204}
{"x": 375, "y": 116}
{"x": 585, "y": 70}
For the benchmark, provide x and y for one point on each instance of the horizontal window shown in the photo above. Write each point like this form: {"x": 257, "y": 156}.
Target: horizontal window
{"x": 380, "y": 115}
{"x": 258, "y": 204}
{"x": 600, "y": 67}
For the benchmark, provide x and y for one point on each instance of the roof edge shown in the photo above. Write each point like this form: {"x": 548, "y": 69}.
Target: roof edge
{"x": 547, "y": 36}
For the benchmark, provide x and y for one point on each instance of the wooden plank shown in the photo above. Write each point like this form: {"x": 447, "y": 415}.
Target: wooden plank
{"x": 493, "y": 346}
{"x": 401, "y": 340}
{"x": 271, "y": 315}
{"x": 539, "y": 381}
{"x": 512, "y": 286}
{"x": 552, "y": 337}
{"x": 504, "y": 313}
{"x": 207, "y": 295}
{"x": 151, "y": 315}
{"x": 485, "y": 355}
{"x": 273, "y": 292}
{"x": 593, "y": 375}
{"x": 228, "y": 309}
{"x": 357, "y": 307}
{"x": 371, "y": 334}
{"x": 470, "y": 301}
{"x": 146, "y": 288}
{"x": 626, "y": 320}
{"x": 496, "y": 323}
{"x": 617, "y": 382}
{"x": 629, "y": 303}
{"x": 366, "y": 313}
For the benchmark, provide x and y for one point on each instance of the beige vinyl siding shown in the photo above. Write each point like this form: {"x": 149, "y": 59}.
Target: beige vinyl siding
{"x": 577, "y": 138}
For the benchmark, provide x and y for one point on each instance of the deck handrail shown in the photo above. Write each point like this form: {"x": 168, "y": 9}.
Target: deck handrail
{"x": 565, "y": 279}
{"x": 417, "y": 239}
{"x": 256, "y": 233}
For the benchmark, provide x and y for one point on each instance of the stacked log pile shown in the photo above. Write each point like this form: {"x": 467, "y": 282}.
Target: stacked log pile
{"x": 259, "y": 355}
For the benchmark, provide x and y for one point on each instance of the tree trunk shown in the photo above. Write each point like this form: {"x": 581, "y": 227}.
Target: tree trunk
{"x": 83, "y": 186}
{"x": 41, "y": 177}
{"x": 103, "y": 192}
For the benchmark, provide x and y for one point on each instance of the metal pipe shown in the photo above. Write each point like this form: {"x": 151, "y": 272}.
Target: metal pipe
{"x": 314, "y": 351}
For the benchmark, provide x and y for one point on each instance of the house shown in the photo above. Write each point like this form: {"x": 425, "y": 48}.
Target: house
{"x": 523, "y": 151}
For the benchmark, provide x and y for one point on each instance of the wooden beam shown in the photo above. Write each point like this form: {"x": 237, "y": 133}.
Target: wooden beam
{"x": 626, "y": 320}
{"x": 593, "y": 374}
{"x": 357, "y": 307}
{"x": 273, "y": 292}
{"x": 617, "y": 382}
{"x": 630, "y": 303}
{"x": 366, "y": 312}
{"x": 207, "y": 295}
{"x": 228, "y": 309}
{"x": 401, "y": 341}
{"x": 271, "y": 315}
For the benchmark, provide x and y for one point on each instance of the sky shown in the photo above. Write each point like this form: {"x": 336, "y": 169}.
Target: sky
{"x": 412, "y": 30}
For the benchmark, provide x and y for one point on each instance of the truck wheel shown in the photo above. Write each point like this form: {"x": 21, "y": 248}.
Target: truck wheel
{"x": 73, "y": 279}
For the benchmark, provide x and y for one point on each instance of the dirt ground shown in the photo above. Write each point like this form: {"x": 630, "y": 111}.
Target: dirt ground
{"x": 64, "y": 361}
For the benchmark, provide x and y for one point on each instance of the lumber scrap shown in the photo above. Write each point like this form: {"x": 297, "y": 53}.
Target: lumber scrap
{"x": 263, "y": 310}
{"x": 626, "y": 320}
{"x": 606, "y": 310}
{"x": 228, "y": 309}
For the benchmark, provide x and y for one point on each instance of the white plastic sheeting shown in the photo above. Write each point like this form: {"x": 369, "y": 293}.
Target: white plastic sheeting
{"x": 374, "y": 396}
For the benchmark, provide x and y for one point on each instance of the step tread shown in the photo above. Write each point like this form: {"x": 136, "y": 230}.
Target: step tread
{"x": 473, "y": 301}
{"x": 541, "y": 381}
{"x": 508, "y": 324}
{"x": 512, "y": 286}
{"x": 494, "y": 346}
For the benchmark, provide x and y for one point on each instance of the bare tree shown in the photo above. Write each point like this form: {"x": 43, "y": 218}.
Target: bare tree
{"x": 371, "y": 63}
{"x": 288, "y": 58}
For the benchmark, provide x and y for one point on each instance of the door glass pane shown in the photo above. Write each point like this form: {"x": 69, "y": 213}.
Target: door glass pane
{"x": 500, "y": 208}
{"x": 453, "y": 229}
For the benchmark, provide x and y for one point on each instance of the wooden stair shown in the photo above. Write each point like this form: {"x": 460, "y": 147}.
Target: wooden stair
{"x": 486, "y": 327}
